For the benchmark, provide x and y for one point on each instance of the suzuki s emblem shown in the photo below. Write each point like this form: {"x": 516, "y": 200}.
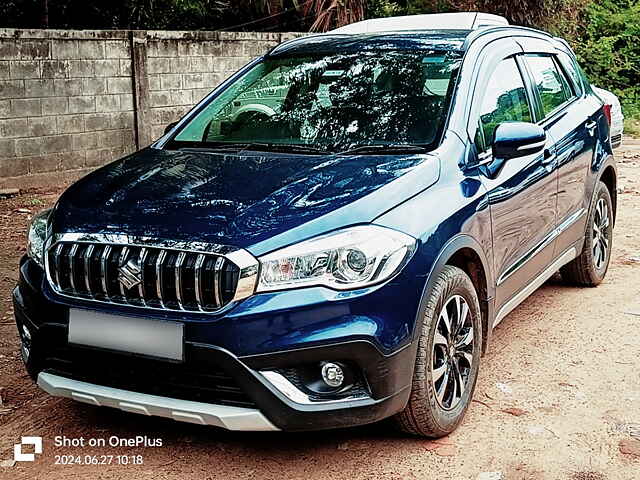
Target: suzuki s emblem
{"x": 130, "y": 274}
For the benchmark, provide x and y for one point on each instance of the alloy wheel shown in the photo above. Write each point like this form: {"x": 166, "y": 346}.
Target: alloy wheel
{"x": 453, "y": 348}
{"x": 600, "y": 234}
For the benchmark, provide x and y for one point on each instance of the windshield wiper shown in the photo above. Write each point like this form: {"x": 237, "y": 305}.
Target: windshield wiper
{"x": 257, "y": 146}
{"x": 286, "y": 147}
{"x": 384, "y": 148}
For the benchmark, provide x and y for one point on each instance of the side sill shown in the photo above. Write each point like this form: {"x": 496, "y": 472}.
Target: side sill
{"x": 563, "y": 259}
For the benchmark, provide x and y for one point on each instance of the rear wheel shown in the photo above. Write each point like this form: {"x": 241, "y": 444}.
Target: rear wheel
{"x": 447, "y": 359}
{"x": 590, "y": 267}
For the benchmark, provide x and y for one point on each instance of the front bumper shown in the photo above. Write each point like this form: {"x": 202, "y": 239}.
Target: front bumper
{"x": 231, "y": 418}
{"x": 213, "y": 385}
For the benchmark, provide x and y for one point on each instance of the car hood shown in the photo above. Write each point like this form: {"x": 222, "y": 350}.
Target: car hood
{"x": 252, "y": 200}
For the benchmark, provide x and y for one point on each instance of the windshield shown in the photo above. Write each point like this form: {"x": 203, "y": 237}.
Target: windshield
{"x": 331, "y": 102}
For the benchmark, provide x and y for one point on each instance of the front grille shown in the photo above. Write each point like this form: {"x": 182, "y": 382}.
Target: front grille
{"x": 142, "y": 276}
{"x": 205, "y": 383}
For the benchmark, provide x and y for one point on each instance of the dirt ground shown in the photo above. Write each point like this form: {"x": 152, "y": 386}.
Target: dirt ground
{"x": 558, "y": 395}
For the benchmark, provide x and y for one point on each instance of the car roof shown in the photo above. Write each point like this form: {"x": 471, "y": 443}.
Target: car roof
{"x": 449, "y": 21}
{"x": 442, "y": 39}
{"x": 342, "y": 42}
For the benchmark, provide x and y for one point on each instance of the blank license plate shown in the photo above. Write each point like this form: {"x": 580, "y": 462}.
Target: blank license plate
{"x": 155, "y": 338}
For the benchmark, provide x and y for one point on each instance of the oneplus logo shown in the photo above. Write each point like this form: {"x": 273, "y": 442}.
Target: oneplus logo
{"x": 18, "y": 456}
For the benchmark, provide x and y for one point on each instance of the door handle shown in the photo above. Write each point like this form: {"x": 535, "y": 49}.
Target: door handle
{"x": 591, "y": 126}
{"x": 549, "y": 160}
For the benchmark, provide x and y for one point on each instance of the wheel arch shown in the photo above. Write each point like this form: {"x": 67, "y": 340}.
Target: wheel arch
{"x": 609, "y": 177}
{"x": 464, "y": 252}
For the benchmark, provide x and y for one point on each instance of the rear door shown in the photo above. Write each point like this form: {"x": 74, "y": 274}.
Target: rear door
{"x": 521, "y": 191}
{"x": 568, "y": 115}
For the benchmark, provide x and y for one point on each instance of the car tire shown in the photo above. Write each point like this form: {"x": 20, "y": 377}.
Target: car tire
{"x": 434, "y": 410}
{"x": 590, "y": 267}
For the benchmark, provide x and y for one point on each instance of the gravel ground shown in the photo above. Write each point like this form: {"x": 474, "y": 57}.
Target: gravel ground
{"x": 558, "y": 395}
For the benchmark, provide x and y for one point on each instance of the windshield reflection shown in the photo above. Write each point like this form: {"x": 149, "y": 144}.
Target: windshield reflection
{"x": 331, "y": 102}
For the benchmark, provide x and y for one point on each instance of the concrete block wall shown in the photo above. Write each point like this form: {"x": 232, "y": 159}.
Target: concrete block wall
{"x": 184, "y": 67}
{"x": 66, "y": 100}
{"x": 75, "y": 100}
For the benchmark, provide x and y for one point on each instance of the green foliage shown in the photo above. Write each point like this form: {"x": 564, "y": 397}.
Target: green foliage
{"x": 632, "y": 125}
{"x": 607, "y": 43}
{"x": 383, "y": 8}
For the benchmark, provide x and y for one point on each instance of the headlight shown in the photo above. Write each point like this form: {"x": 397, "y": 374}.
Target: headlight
{"x": 351, "y": 258}
{"x": 37, "y": 236}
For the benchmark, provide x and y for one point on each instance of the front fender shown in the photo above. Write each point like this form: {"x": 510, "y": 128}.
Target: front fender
{"x": 456, "y": 244}
{"x": 451, "y": 215}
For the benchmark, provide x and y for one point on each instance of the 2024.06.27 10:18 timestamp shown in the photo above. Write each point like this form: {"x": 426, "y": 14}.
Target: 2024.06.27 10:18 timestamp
{"x": 98, "y": 460}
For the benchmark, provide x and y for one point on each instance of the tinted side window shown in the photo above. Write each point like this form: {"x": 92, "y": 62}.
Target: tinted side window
{"x": 505, "y": 100}
{"x": 551, "y": 84}
{"x": 571, "y": 68}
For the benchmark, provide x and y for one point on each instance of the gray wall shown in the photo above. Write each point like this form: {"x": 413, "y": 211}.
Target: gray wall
{"x": 73, "y": 100}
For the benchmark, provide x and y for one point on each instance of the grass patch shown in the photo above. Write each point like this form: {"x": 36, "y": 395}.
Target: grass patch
{"x": 632, "y": 126}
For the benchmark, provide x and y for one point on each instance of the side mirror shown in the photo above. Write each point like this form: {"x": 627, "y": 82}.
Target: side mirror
{"x": 169, "y": 127}
{"x": 517, "y": 139}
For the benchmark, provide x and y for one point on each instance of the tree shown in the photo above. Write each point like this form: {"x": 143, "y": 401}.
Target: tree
{"x": 330, "y": 14}
{"x": 607, "y": 46}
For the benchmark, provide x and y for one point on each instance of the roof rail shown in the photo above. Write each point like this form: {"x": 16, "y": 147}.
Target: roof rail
{"x": 435, "y": 21}
{"x": 473, "y": 36}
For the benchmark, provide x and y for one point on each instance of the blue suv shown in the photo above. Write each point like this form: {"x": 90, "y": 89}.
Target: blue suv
{"x": 329, "y": 238}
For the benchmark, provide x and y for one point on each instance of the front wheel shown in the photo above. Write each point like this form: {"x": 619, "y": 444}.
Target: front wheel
{"x": 590, "y": 267}
{"x": 447, "y": 359}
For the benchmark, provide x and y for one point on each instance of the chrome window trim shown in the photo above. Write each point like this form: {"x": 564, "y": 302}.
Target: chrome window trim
{"x": 248, "y": 265}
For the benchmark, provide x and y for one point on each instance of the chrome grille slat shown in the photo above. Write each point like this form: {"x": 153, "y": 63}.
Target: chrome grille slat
{"x": 217, "y": 270}
{"x": 122, "y": 259}
{"x": 142, "y": 259}
{"x": 178, "y": 278}
{"x": 58, "y": 259}
{"x": 164, "y": 276}
{"x": 104, "y": 265}
{"x": 72, "y": 267}
{"x": 87, "y": 268}
{"x": 159, "y": 264}
{"x": 198, "y": 280}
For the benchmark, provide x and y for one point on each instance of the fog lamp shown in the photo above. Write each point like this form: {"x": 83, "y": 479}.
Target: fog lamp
{"x": 332, "y": 374}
